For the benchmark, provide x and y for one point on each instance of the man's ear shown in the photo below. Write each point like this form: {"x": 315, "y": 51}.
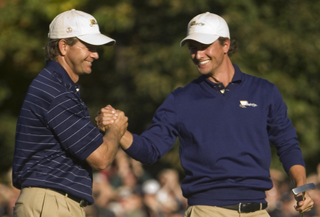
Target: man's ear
{"x": 226, "y": 46}
{"x": 63, "y": 47}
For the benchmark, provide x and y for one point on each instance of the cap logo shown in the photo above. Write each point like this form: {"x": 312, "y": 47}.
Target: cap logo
{"x": 93, "y": 22}
{"x": 69, "y": 30}
{"x": 194, "y": 23}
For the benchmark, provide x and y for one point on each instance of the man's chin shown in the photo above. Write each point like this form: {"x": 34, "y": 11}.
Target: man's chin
{"x": 88, "y": 71}
{"x": 203, "y": 72}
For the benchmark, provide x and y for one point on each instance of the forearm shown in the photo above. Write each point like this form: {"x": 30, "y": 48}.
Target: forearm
{"x": 297, "y": 173}
{"x": 126, "y": 140}
{"x": 111, "y": 141}
{"x": 103, "y": 156}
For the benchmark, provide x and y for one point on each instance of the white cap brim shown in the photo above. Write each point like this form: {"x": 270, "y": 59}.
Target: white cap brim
{"x": 201, "y": 38}
{"x": 97, "y": 39}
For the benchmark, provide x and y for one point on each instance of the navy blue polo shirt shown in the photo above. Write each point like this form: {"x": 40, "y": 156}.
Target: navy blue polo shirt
{"x": 54, "y": 136}
{"x": 224, "y": 138}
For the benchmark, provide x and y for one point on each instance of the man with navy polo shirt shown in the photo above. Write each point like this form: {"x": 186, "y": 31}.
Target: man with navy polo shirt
{"x": 56, "y": 143}
{"x": 225, "y": 120}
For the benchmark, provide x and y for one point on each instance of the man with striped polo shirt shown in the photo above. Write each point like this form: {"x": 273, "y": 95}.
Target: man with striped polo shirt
{"x": 56, "y": 143}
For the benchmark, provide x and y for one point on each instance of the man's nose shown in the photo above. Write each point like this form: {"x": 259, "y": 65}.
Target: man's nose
{"x": 198, "y": 54}
{"x": 94, "y": 55}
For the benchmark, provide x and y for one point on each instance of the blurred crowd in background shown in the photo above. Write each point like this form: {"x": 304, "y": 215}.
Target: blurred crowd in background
{"x": 126, "y": 189}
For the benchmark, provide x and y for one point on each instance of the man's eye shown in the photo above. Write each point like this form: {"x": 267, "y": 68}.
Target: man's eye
{"x": 92, "y": 48}
{"x": 203, "y": 47}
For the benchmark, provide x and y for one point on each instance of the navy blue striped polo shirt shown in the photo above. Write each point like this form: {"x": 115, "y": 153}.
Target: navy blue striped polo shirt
{"x": 54, "y": 136}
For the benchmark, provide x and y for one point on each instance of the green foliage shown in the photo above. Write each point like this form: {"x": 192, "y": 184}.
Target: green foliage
{"x": 7, "y": 133}
{"x": 278, "y": 40}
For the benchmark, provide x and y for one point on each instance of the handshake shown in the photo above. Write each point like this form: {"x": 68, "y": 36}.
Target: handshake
{"x": 110, "y": 119}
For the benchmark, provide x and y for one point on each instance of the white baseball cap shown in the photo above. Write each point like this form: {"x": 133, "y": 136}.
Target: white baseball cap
{"x": 74, "y": 23}
{"x": 206, "y": 28}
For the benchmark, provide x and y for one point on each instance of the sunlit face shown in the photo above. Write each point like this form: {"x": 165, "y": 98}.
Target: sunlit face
{"x": 208, "y": 58}
{"x": 79, "y": 58}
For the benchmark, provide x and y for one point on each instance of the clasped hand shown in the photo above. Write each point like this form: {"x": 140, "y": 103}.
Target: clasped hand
{"x": 109, "y": 118}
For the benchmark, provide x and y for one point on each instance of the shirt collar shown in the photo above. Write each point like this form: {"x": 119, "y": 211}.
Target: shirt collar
{"x": 237, "y": 77}
{"x": 61, "y": 74}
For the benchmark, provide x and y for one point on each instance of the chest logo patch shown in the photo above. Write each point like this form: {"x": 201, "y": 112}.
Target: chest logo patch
{"x": 245, "y": 104}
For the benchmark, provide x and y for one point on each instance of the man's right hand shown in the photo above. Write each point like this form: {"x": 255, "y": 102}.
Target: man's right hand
{"x": 108, "y": 116}
{"x": 110, "y": 119}
{"x": 119, "y": 125}
{"x": 105, "y": 117}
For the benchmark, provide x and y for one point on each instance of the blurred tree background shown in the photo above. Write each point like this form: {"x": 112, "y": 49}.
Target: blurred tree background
{"x": 278, "y": 40}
